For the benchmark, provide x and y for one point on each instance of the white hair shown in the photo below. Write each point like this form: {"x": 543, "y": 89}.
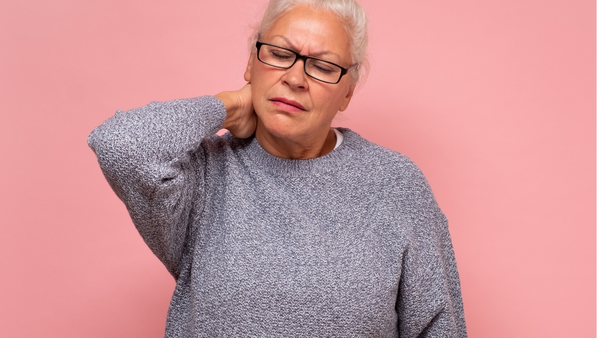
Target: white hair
{"x": 352, "y": 16}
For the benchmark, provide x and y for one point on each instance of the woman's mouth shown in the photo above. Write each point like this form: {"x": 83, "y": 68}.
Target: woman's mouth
{"x": 286, "y": 105}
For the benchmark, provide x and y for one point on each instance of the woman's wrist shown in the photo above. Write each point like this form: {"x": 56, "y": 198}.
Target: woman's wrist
{"x": 231, "y": 108}
{"x": 240, "y": 119}
{"x": 228, "y": 101}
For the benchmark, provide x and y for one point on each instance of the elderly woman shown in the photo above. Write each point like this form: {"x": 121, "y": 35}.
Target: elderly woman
{"x": 285, "y": 227}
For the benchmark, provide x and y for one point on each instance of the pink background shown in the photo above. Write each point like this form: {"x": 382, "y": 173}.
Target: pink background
{"x": 494, "y": 100}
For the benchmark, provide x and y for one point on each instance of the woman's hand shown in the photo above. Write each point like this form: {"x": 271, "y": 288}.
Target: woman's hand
{"x": 240, "y": 119}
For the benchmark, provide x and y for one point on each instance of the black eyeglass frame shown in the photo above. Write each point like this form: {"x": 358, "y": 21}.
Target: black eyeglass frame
{"x": 303, "y": 58}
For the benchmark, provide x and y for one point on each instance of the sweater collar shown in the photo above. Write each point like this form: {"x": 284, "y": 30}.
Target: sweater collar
{"x": 331, "y": 162}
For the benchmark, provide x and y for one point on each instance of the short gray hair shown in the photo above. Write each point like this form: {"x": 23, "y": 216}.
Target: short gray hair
{"x": 350, "y": 13}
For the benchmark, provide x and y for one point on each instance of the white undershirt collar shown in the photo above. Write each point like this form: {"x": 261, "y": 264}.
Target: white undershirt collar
{"x": 339, "y": 137}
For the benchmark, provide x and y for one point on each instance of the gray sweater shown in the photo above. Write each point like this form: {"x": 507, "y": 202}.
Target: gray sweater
{"x": 350, "y": 244}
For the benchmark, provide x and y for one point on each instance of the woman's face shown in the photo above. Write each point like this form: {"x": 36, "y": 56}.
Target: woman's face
{"x": 290, "y": 104}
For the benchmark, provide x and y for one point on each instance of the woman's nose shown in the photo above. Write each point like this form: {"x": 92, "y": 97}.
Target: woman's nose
{"x": 295, "y": 76}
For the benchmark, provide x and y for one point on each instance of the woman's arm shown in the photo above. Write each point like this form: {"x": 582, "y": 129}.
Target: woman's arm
{"x": 429, "y": 296}
{"x": 152, "y": 159}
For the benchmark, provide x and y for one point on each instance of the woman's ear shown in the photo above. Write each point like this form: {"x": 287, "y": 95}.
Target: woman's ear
{"x": 347, "y": 98}
{"x": 248, "y": 73}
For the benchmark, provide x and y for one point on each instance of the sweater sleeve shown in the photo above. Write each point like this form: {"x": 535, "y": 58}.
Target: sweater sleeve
{"x": 429, "y": 301}
{"x": 152, "y": 159}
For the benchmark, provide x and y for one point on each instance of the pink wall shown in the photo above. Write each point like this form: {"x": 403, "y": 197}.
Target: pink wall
{"x": 495, "y": 100}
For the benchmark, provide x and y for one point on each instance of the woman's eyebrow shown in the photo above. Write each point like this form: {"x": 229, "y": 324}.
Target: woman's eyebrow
{"x": 291, "y": 46}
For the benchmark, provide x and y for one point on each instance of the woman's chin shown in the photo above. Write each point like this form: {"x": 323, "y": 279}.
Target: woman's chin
{"x": 280, "y": 133}
{"x": 279, "y": 128}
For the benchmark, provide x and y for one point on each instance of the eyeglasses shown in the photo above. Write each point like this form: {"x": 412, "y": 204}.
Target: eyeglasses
{"x": 318, "y": 69}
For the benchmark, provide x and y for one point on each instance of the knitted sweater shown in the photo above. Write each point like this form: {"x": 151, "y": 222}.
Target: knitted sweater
{"x": 350, "y": 244}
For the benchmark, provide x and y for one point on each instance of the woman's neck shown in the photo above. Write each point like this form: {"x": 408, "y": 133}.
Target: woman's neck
{"x": 298, "y": 147}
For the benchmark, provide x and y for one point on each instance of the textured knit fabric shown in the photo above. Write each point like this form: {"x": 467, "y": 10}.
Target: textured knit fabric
{"x": 350, "y": 244}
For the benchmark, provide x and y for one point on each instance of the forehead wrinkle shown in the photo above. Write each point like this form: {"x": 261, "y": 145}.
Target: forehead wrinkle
{"x": 295, "y": 48}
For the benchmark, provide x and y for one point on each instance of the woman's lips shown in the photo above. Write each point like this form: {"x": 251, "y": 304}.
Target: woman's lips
{"x": 286, "y": 105}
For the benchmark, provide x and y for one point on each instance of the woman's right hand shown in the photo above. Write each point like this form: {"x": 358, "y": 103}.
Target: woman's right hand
{"x": 240, "y": 119}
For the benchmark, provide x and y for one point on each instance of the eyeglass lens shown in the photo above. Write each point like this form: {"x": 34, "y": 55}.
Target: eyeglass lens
{"x": 282, "y": 58}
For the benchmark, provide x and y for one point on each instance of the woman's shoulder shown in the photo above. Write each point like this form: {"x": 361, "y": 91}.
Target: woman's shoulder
{"x": 224, "y": 140}
{"x": 376, "y": 157}
{"x": 394, "y": 175}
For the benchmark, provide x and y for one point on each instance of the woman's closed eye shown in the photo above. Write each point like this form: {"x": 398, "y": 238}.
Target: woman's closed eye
{"x": 322, "y": 67}
{"x": 281, "y": 55}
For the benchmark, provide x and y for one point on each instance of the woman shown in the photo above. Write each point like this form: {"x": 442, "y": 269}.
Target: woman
{"x": 285, "y": 227}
